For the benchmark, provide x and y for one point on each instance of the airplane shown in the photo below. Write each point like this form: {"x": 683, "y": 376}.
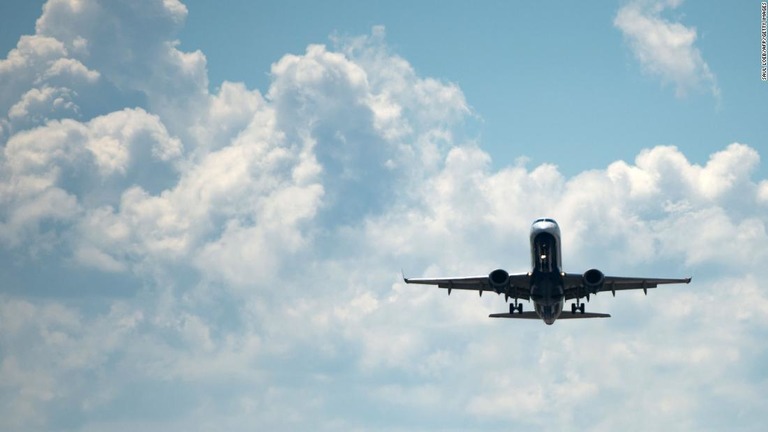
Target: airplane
{"x": 547, "y": 285}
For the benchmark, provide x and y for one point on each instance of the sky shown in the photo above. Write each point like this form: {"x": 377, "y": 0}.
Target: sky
{"x": 205, "y": 209}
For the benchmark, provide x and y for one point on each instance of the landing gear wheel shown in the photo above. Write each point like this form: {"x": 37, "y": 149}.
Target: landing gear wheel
{"x": 573, "y": 308}
{"x": 515, "y": 307}
{"x": 581, "y": 308}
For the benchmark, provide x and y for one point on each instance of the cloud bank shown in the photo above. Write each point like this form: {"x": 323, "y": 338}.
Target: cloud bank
{"x": 260, "y": 237}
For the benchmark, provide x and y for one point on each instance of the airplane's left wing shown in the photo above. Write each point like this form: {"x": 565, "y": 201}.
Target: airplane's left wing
{"x": 574, "y": 284}
{"x": 519, "y": 284}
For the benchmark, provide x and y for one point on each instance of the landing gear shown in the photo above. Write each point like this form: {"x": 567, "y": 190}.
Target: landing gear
{"x": 578, "y": 306}
{"x": 515, "y": 307}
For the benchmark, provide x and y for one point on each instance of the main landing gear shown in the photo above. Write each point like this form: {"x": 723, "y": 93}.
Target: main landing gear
{"x": 515, "y": 307}
{"x": 578, "y": 306}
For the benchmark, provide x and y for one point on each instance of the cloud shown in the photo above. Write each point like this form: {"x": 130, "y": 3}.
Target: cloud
{"x": 663, "y": 48}
{"x": 261, "y": 236}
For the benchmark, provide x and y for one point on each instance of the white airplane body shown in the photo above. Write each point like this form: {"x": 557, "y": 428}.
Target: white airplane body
{"x": 546, "y": 285}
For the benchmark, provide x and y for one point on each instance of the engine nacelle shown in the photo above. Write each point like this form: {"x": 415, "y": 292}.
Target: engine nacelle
{"x": 499, "y": 280}
{"x": 593, "y": 280}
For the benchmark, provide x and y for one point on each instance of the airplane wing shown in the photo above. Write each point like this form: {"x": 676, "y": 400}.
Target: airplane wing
{"x": 519, "y": 284}
{"x": 574, "y": 284}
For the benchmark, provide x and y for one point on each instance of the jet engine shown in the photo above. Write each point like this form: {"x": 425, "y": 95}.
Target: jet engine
{"x": 593, "y": 280}
{"x": 499, "y": 280}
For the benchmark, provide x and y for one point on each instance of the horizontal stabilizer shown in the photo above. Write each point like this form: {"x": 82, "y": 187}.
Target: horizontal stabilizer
{"x": 524, "y": 315}
{"x": 571, "y": 315}
{"x": 564, "y": 315}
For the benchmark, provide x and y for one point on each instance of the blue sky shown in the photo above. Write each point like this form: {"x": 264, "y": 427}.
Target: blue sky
{"x": 576, "y": 86}
{"x": 204, "y": 211}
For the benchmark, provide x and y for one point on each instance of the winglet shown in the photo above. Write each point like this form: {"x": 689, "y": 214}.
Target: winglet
{"x": 688, "y": 280}
{"x": 405, "y": 279}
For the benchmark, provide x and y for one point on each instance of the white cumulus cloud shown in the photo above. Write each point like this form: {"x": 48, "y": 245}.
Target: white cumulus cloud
{"x": 181, "y": 259}
{"x": 665, "y": 48}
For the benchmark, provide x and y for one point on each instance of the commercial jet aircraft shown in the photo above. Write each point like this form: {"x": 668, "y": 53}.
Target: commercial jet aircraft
{"x": 547, "y": 285}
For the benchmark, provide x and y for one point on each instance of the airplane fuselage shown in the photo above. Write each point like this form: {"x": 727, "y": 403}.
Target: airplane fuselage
{"x": 547, "y": 288}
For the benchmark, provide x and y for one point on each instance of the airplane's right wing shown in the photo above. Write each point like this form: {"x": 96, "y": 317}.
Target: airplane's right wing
{"x": 519, "y": 284}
